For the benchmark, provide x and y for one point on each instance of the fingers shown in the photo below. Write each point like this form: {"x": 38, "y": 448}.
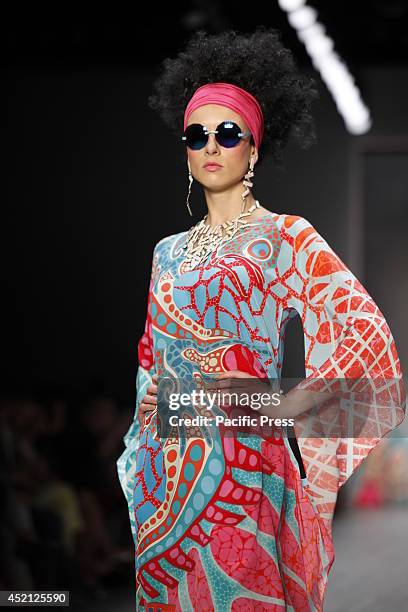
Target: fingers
{"x": 232, "y": 377}
{"x": 231, "y": 383}
{"x": 149, "y": 402}
{"x": 235, "y": 379}
{"x": 234, "y": 374}
{"x": 152, "y": 388}
{"x": 150, "y": 399}
{"x": 228, "y": 383}
{"x": 144, "y": 410}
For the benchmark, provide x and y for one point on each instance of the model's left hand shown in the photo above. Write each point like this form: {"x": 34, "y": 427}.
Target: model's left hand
{"x": 237, "y": 381}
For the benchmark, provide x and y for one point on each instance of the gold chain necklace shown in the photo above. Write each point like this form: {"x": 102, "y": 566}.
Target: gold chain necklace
{"x": 203, "y": 239}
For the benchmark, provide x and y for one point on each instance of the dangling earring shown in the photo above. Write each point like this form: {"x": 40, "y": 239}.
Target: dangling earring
{"x": 190, "y": 178}
{"x": 247, "y": 182}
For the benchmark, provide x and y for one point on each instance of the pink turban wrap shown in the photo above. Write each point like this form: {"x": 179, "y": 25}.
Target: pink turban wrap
{"x": 234, "y": 97}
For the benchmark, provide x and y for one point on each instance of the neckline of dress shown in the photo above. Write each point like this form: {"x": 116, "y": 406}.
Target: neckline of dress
{"x": 254, "y": 220}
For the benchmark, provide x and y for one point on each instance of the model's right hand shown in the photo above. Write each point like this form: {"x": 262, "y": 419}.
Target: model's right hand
{"x": 149, "y": 402}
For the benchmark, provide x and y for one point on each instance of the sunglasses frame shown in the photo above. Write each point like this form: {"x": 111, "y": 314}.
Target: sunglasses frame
{"x": 241, "y": 134}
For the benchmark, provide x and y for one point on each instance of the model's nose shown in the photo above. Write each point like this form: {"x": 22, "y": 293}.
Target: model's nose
{"x": 212, "y": 143}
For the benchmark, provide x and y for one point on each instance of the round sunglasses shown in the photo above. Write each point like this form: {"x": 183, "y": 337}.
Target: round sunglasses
{"x": 228, "y": 134}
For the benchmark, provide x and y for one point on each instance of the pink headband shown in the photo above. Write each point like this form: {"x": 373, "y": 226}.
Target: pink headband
{"x": 234, "y": 97}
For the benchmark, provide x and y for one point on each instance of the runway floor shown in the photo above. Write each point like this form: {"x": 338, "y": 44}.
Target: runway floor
{"x": 370, "y": 570}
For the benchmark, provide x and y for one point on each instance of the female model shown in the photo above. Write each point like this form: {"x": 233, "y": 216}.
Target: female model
{"x": 223, "y": 520}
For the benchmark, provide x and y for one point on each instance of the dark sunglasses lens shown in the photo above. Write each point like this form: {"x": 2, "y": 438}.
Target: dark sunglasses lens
{"x": 195, "y": 136}
{"x": 228, "y": 134}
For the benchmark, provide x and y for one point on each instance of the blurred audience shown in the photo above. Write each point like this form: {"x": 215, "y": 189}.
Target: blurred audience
{"x": 383, "y": 478}
{"x": 63, "y": 520}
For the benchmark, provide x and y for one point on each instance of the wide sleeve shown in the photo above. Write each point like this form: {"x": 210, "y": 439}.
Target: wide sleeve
{"x": 350, "y": 354}
{"x": 146, "y": 363}
{"x": 145, "y": 370}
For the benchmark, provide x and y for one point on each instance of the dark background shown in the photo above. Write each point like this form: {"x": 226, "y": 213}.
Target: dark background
{"x": 95, "y": 180}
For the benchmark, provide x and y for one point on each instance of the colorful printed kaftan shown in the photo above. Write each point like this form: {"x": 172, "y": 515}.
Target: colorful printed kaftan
{"x": 228, "y": 524}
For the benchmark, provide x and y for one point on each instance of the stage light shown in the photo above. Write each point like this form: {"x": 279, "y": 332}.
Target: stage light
{"x": 335, "y": 74}
{"x": 302, "y": 18}
{"x": 315, "y": 40}
{"x": 291, "y": 5}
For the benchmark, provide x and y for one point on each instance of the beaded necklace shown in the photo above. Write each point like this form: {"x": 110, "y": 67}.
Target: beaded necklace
{"x": 203, "y": 239}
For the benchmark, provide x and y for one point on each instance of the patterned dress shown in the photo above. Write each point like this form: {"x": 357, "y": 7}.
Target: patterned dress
{"x": 227, "y": 523}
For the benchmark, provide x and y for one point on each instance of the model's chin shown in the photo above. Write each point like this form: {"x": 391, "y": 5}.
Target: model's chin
{"x": 215, "y": 184}
{"x": 213, "y": 178}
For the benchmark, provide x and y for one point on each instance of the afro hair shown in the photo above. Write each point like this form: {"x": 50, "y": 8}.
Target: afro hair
{"x": 259, "y": 63}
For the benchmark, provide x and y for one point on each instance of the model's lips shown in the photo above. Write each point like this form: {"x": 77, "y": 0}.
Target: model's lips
{"x": 212, "y": 166}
